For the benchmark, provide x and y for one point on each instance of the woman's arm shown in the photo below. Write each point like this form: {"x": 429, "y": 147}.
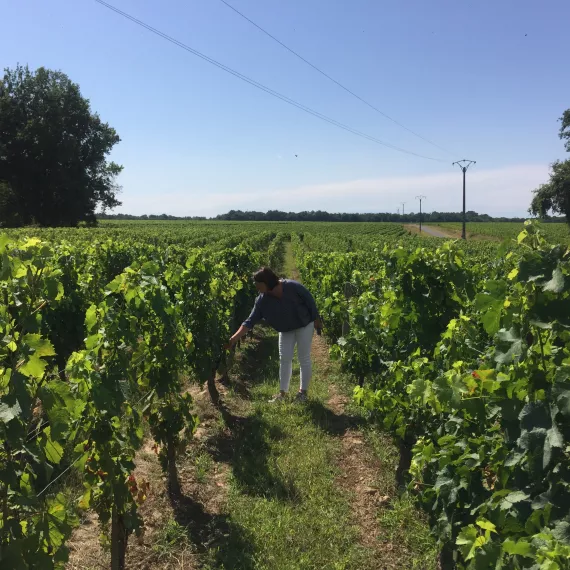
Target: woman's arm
{"x": 247, "y": 325}
{"x": 241, "y": 332}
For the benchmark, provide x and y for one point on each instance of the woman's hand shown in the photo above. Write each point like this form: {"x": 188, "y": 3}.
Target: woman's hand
{"x": 242, "y": 331}
{"x": 318, "y": 324}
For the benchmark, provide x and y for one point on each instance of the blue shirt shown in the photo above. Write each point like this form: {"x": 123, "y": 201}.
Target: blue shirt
{"x": 294, "y": 310}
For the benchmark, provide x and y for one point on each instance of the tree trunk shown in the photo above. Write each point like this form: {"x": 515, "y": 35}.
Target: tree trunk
{"x": 406, "y": 444}
{"x": 446, "y": 558}
{"x": 224, "y": 370}
{"x": 118, "y": 541}
{"x": 173, "y": 482}
{"x": 213, "y": 391}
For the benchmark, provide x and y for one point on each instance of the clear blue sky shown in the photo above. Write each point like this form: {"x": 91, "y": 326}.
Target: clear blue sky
{"x": 486, "y": 79}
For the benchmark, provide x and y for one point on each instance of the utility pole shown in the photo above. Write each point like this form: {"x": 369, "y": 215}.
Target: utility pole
{"x": 420, "y": 198}
{"x": 464, "y": 165}
{"x": 403, "y": 209}
{"x": 398, "y": 211}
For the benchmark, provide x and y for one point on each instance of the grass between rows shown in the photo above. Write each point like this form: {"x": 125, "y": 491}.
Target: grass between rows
{"x": 284, "y": 495}
{"x": 282, "y": 491}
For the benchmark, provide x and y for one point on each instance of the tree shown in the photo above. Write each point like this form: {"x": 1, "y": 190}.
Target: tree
{"x": 8, "y": 213}
{"x": 565, "y": 128}
{"x": 53, "y": 152}
{"x": 555, "y": 195}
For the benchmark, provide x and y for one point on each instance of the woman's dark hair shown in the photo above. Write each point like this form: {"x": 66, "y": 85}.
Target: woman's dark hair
{"x": 267, "y": 276}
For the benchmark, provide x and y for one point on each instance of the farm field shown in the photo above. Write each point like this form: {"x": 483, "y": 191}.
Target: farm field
{"x": 120, "y": 408}
{"x": 555, "y": 232}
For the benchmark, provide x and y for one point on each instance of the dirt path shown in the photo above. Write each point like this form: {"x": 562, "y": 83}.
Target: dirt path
{"x": 430, "y": 231}
{"x": 369, "y": 482}
{"x": 448, "y": 232}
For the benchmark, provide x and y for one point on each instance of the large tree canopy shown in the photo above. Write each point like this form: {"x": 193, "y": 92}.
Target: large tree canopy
{"x": 53, "y": 152}
{"x": 555, "y": 195}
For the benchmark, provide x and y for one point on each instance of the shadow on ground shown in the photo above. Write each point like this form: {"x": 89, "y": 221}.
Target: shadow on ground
{"x": 226, "y": 543}
{"x": 257, "y": 361}
{"x": 246, "y": 448}
{"x": 331, "y": 422}
{"x": 245, "y": 445}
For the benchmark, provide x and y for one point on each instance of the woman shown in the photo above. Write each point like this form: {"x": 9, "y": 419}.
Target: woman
{"x": 290, "y": 309}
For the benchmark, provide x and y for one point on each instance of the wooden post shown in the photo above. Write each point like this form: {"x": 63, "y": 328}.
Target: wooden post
{"x": 173, "y": 481}
{"x": 118, "y": 540}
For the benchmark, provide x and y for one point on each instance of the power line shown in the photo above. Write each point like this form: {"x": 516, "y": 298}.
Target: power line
{"x": 332, "y": 78}
{"x": 261, "y": 86}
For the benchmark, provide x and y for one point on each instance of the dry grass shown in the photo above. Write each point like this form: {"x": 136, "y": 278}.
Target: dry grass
{"x": 474, "y": 236}
{"x": 414, "y": 229}
{"x": 395, "y": 531}
{"x": 166, "y": 542}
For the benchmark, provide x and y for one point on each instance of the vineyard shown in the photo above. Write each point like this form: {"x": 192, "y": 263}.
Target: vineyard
{"x": 463, "y": 352}
{"x": 553, "y": 232}
{"x": 96, "y": 335}
{"x": 459, "y": 350}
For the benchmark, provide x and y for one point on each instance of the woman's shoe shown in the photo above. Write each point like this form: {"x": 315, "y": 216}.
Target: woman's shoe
{"x": 277, "y": 398}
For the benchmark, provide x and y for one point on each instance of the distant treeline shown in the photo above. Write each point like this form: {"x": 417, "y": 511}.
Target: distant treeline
{"x": 320, "y": 216}
{"x": 101, "y": 216}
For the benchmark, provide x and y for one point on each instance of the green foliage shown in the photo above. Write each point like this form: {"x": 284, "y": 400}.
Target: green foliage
{"x": 54, "y": 151}
{"x": 565, "y": 128}
{"x": 8, "y": 205}
{"x": 276, "y": 252}
{"x": 39, "y": 413}
{"x": 467, "y": 359}
{"x": 463, "y": 349}
{"x": 320, "y": 216}
{"x": 149, "y": 315}
{"x": 555, "y": 195}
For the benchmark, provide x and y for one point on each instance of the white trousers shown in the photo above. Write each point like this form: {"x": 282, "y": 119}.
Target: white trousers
{"x": 303, "y": 338}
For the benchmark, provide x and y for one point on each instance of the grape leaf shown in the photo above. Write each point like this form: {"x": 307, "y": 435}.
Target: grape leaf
{"x": 41, "y": 346}
{"x": 522, "y": 548}
{"x": 34, "y": 367}
{"x": 556, "y": 284}
{"x": 561, "y": 532}
{"x": 8, "y": 413}
{"x": 52, "y": 449}
{"x": 61, "y": 406}
{"x": 486, "y": 525}
{"x": 517, "y": 497}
